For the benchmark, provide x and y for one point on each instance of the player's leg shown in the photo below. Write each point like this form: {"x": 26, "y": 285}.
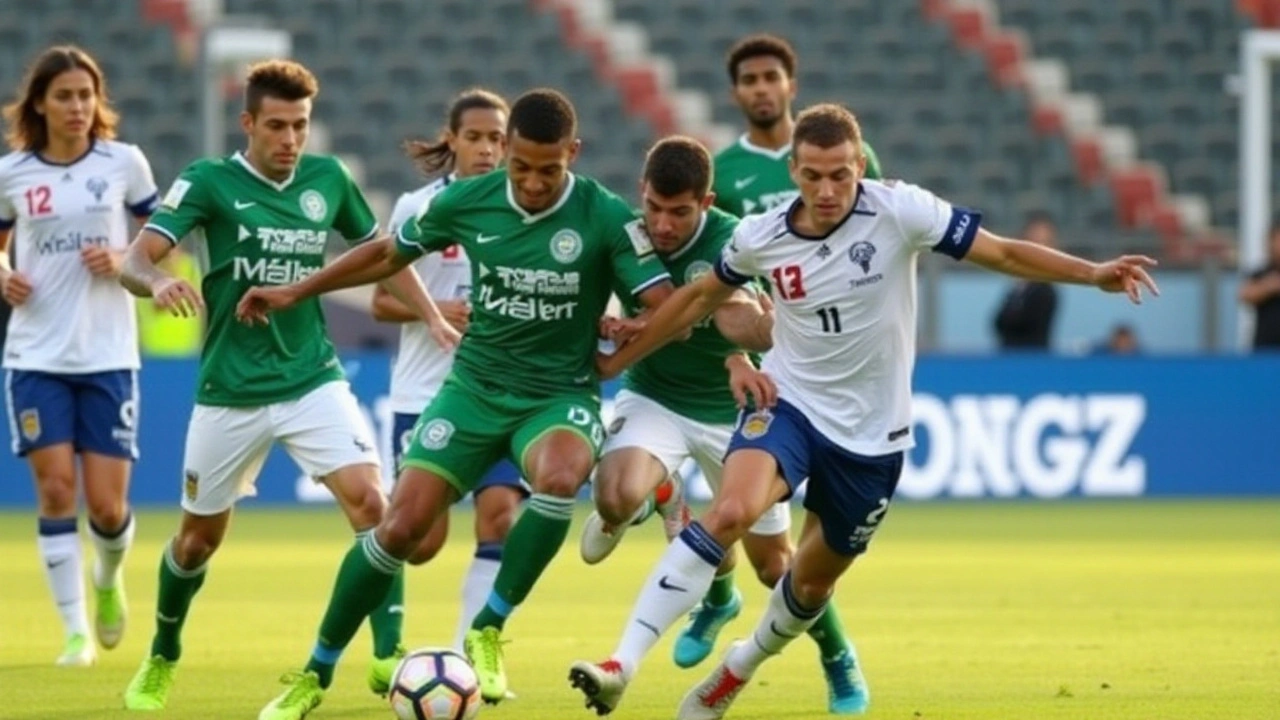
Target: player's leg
{"x": 41, "y": 422}
{"x": 106, "y": 426}
{"x": 497, "y": 503}
{"x": 558, "y": 444}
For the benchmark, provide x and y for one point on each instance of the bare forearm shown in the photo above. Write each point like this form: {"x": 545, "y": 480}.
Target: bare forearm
{"x": 669, "y": 321}
{"x": 1036, "y": 262}
{"x": 407, "y": 287}
{"x": 746, "y": 325}
{"x": 386, "y": 308}
{"x": 363, "y": 264}
{"x": 138, "y": 273}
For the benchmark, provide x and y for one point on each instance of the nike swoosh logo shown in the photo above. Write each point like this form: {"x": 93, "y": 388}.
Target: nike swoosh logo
{"x": 651, "y": 628}
{"x": 773, "y": 628}
{"x": 395, "y": 610}
{"x": 166, "y": 619}
{"x": 54, "y": 565}
{"x": 242, "y": 205}
{"x": 739, "y": 184}
{"x": 481, "y": 238}
{"x": 666, "y": 585}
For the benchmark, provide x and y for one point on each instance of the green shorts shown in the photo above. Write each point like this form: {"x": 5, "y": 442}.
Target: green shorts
{"x": 466, "y": 429}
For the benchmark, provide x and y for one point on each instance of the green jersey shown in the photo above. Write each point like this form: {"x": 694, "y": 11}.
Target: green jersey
{"x": 251, "y": 230}
{"x": 539, "y": 281}
{"x": 688, "y": 377}
{"x": 750, "y": 179}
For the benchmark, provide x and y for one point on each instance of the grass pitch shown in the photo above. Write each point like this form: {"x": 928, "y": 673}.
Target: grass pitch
{"x": 1082, "y": 610}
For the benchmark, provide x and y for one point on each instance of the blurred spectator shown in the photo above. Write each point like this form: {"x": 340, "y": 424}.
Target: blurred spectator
{"x": 1121, "y": 341}
{"x": 1262, "y": 291}
{"x": 162, "y": 334}
{"x": 1025, "y": 318}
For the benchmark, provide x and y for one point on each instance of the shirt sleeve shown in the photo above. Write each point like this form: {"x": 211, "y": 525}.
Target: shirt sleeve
{"x": 186, "y": 206}
{"x": 430, "y": 227}
{"x": 140, "y": 195}
{"x": 737, "y": 264}
{"x": 635, "y": 264}
{"x": 353, "y": 220}
{"x": 932, "y": 223}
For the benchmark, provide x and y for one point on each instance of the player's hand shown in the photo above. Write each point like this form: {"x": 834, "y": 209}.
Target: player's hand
{"x": 748, "y": 383}
{"x": 443, "y": 332}
{"x": 100, "y": 261}
{"x": 177, "y": 296}
{"x": 607, "y": 367}
{"x": 16, "y": 288}
{"x": 456, "y": 312}
{"x": 1126, "y": 274}
{"x": 261, "y": 301}
{"x": 620, "y": 330}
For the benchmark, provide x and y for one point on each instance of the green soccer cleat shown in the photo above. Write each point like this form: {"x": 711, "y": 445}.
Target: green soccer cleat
{"x": 698, "y": 639}
{"x": 77, "y": 652}
{"x": 303, "y": 695}
{"x": 149, "y": 688}
{"x": 484, "y": 652}
{"x": 381, "y": 671}
{"x": 112, "y": 614}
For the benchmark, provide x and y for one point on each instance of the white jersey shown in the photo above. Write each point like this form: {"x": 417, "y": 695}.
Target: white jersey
{"x": 844, "y": 334}
{"x": 421, "y": 365}
{"x": 73, "y": 322}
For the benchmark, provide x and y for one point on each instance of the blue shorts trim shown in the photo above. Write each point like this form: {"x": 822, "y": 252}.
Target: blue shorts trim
{"x": 502, "y": 474}
{"x": 95, "y": 412}
{"x": 849, "y": 493}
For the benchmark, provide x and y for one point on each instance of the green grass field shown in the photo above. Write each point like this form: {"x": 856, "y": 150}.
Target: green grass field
{"x": 1089, "y": 610}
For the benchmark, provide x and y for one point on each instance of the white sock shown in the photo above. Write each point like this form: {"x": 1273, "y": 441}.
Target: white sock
{"x": 784, "y": 620}
{"x": 477, "y": 585}
{"x": 59, "y": 544}
{"x": 676, "y": 585}
{"x": 110, "y": 552}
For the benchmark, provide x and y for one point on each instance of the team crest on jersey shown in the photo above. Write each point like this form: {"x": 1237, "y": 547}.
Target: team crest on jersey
{"x": 29, "y": 419}
{"x": 756, "y": 424}
{"x": 191, "y": 485}
{"x": 566, "y": 246}
{"x": 695, "y": 271}
{"x": 97, "y": 186}
{"x": 435, "y": 434}
{"x": 313, "y": 205}
{"x": 861, "y": 253}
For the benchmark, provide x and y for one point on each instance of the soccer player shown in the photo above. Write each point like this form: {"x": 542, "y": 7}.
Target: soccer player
{"x": 842, "y": 260}
{"x": 547, "y": 248}
{"x": 72, "y": 349}
{"x": 472, "y": 144}
{"x": 752, "y": 175}
{"x": 261, "y": 217}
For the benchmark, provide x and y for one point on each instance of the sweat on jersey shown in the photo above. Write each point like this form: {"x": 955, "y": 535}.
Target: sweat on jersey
{"x": 73, "y": 322}
{"x": 844, "y": 333}
{"x": 750, "y": 179}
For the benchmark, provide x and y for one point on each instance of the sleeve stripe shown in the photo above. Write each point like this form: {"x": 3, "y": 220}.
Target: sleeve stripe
{"x": 373, "y": 231}
{"x": 156, "y": 228}
{"x": 960, "y": 232}
{"x": 729, "y": 276}
{"x": 650, "y": 283}
{"x": 144, "y": 207}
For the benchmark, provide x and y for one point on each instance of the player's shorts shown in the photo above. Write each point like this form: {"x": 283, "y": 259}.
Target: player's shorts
{"x": 95, "y": 412}
{"x": 639, "y": 422}
{"x": 322, "y": 431}
{"x": 849, "y": 493}
{"x": 503, "y": 474}
{"x": 468, "y": 428}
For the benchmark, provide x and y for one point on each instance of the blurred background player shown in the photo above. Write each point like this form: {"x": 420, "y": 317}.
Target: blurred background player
{"x": 751, "y": 175}
{"x": 472, "y": 143}
{"x": 1025, "y": 318}
{"x": 71, "y": 353}
{"x": 263, "y": 215}
{"x": 1261, "y": 291}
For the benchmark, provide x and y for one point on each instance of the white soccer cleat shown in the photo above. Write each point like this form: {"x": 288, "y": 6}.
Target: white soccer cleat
{"x": 78, "y": 652}
{"x": 601, "y": 683}
{"x": 598, "y": 540}
{"x": 711, "y": 698}
{"x": 673, "y": 509}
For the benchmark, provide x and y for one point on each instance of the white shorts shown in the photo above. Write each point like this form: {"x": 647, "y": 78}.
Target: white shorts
{"x": 322, "y": 431}
{"x": 672, "y": 438}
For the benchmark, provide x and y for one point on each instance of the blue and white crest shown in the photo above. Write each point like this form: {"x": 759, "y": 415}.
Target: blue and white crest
{"x": 861, "y": 253}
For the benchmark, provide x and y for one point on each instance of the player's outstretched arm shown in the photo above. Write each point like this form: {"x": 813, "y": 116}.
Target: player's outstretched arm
{"x": 140, "y": 275}
{"x": 1019, "y": 258}
{"x": 365, "y": 263}
{"x": 745, "y": 321}
{"x": 672, "y": 318}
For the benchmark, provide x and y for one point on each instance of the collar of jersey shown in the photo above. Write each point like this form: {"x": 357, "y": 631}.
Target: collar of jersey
{"x": 795, "y": 205}
{"x": 692, "y": 241}
{"x": 93, "y": 144}
{"x": 535, "y": 217}
{"x": 751, "y": 147}
{"x": 239, "y": 157}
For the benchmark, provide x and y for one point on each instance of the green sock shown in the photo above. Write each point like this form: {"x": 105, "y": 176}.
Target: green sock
{"x": 828, "y": 632}
{"x": 721, "y": 592}
{"x": 177, "y": 588}
{"x": 387, "y": 620}
{"x": 364, "y": 579}
{"x": 533, "y": 542}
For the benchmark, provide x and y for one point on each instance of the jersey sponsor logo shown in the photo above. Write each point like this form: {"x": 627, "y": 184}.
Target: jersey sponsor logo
{"x": 861, "y": 253}
{"x": 242, "y": 205}
{"x": 435, "y": 434}
{"x": 566, "y": 245}
{"x": 291, "y": 241}
{"x": 523, "y": 286}
{"x": 742, "y": 183}
{"x": 695, "y": 271}
{"x": 756, "y": 424}
{"x": 271, "y": 271}
{"x": 29, "y": 420}
{"x": 191, "y": 485}
{"x": 313, "y": 205}
{"x": 177, "y": 191}
{"x": 481, "y": 238}
{"x": 639, "y": 236}
{"x": 72, "y": 242}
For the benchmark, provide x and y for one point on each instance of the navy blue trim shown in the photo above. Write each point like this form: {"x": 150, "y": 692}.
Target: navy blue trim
{"x": 144, "y": 208}
{"x": 85, "y": 154}
{"x": 702, "y": 543}
{"x": 793, "y": 604}
{"x": 96, "y": 530}
{"x": 56, "y": 526}
{"x": 729, "y": 276}
{"x": 491, "y": 550}
{"x": 961, "y": 230}
{"x": 798, "y": 202}
{"x": 7, "y": 224}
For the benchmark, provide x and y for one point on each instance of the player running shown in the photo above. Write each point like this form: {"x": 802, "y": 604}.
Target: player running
{"x": 842, "y": 258}
{"x": 261, "y": 217}
{"x": 71, "y": 355}
{"x": 547, "y": 248}
{"x": 472, "y": 144}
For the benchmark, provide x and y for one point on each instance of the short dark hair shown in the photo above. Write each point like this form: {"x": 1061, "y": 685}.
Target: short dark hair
{"x": 436, "y": 157}
{"x": 826, "y": 125}
{"x": 761, "y": 45}
{"x": 544, "y": 116}
{"x": 676, "y": 165}
{"x": 283, "y": 79}
{"x": 28, "y": 129}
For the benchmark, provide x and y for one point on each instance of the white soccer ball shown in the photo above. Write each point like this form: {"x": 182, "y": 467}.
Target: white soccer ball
{"x": 434, "y": 684}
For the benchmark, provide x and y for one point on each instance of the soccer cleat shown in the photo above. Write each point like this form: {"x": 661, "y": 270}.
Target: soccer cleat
{"x": 669, "y": 499}
{"x": 598, "y": 539}
{"x": 484, "y": 652}
{"x": 149, "y": 688}
{"x": 602, "y": 684}
{"x": 847, "y": 692}
{"x": 303, "y": 695}
{"x": 111, "y": 615}
{"x": 381, "y": 670}
{"x": 697, "y": 640}
{"x": 711, "y": 698}
{"x": 77, "y": 652}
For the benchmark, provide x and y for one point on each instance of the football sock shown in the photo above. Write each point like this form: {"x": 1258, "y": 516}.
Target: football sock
{"x": 110, "y": 548}
{"x": 477, "y": 585}
{"x": 784, "y": 620}
{"x": 386, "y": 622}
{"x": 177, "y": 588}
{"x": 364, "y": 578}
{"x": 533, "y": 542}
{"x": 59, "y": 544}
{"x": 721, "y": 592}
{"x": 828, "y": 632}
{"x": 675, "y": 586}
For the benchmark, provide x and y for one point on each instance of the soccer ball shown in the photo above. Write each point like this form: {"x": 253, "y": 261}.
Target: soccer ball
{"x": 434, "y": 684}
